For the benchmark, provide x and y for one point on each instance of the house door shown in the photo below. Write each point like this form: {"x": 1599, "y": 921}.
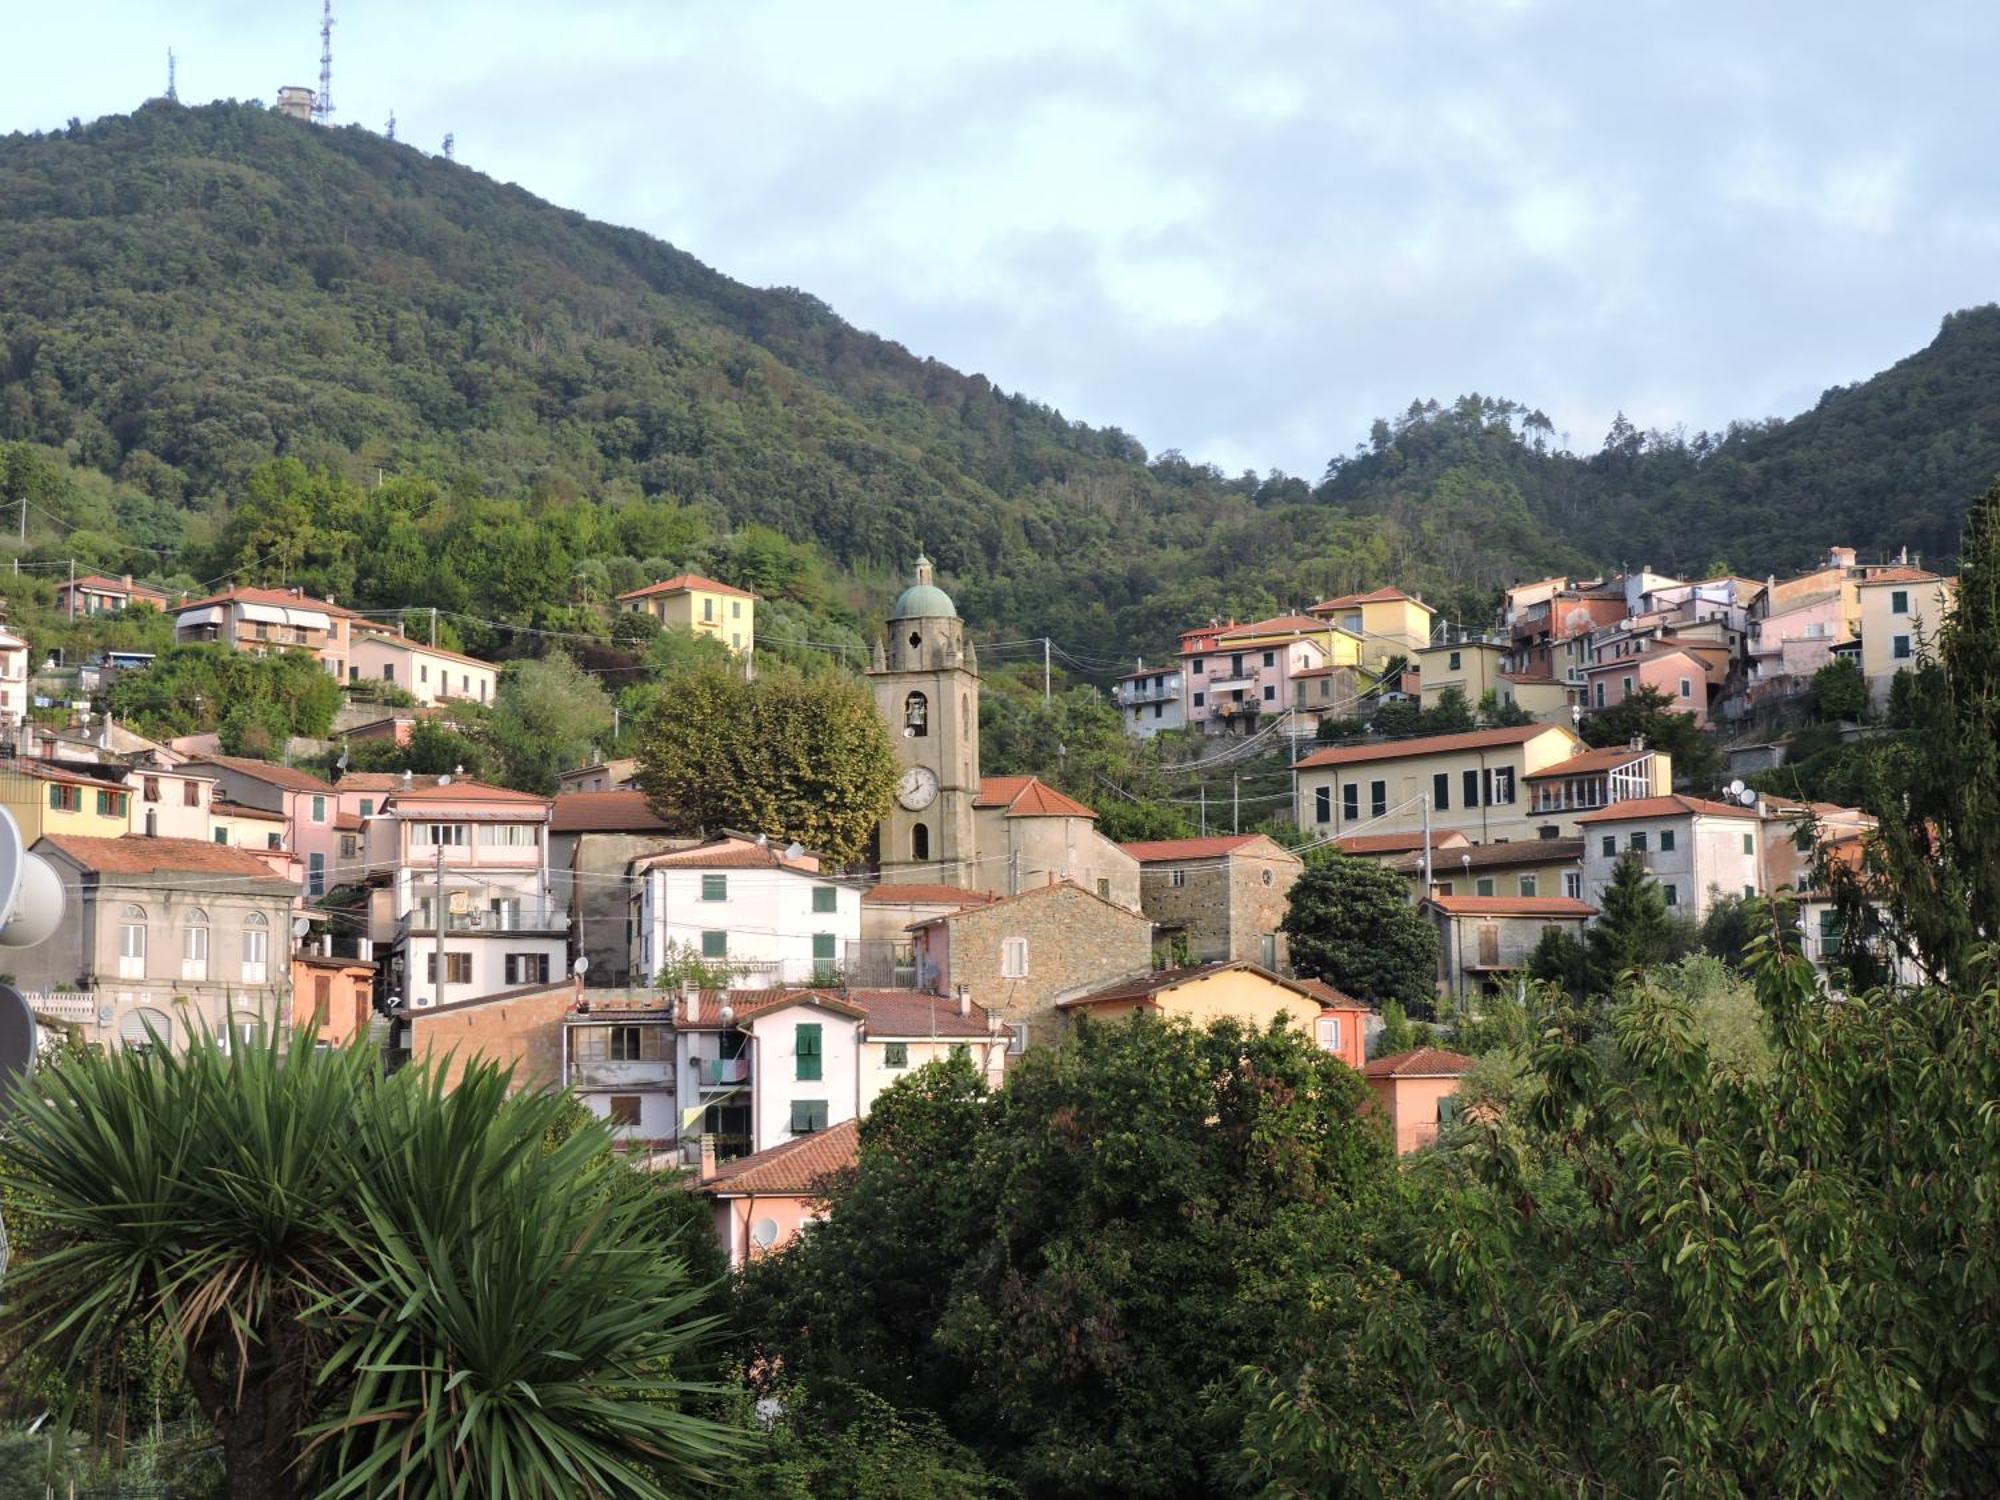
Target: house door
{"x": 1489, "y": 947}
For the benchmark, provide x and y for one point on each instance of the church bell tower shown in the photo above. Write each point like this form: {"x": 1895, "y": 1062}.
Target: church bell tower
{"x": 925, "y": 676}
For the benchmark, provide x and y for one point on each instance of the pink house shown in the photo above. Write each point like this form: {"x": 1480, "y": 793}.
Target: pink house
{"x": 1416, "y": 1090}
{"x": 1672, "y": 671}
{"x": 1787, "y": 646}
{"x": 1236, "y": 676}
{"x": 762, "y": 1201}
{"x": 306, "y": 803}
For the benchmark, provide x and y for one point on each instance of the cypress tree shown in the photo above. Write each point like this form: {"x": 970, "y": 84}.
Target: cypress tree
{"x": 1632, "y": 930}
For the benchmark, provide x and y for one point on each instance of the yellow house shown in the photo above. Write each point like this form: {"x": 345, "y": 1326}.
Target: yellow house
{"x": 1901, "y": 610}
{"x": 700, "y": 605}
{"x": 1473, "y": 667}
{"x": 1388, "y": 622}
{"x": 1476, "y": 783}
{"x": 45, "y": 799}
{"x": 1236, "y": 990}
{"x": 1543, "y": 699}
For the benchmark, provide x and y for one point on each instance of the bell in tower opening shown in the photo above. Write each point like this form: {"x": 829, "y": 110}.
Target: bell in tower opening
{"x": 921, "y": 668}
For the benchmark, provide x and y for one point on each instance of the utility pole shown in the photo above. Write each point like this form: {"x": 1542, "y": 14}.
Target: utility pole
{"x": 1204, "y": 809}
{"x": 1427, "y": 846}
{"x": 1045, "y": 657}
{"x": 438, "y": 914}
{"x": 1235, "y": 802}
{"x": 434, "y": 625}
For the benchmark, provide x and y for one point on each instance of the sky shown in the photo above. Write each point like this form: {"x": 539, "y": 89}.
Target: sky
{"x": 1240, "y": 230}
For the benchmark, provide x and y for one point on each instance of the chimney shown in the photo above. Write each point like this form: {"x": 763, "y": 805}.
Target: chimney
{"x": 691, "y": 998}
{"x": 707, "y": 1156}
{"x": 964, "y": 1002}
{"x": 126, "y": 580}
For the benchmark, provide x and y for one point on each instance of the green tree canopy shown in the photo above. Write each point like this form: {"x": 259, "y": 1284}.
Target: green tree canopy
{"x": 1649, "y": 715}
{"x": 547, "y": 717}
{"x": 1350, "y": 922}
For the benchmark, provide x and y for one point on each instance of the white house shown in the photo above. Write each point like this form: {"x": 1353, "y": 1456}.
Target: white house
{"x": 1696, "y": 850}
{"x": 14, "y": 703}
{"x": 430, "y": 674}
{"x": 762, "y": 916}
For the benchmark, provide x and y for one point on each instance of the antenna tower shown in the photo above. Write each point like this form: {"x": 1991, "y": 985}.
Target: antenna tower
{"x": 391, "y": 127}
{"x": 173, "y": 94}
{"x": 450, "y": 140}
{"x": 323, "y": 101}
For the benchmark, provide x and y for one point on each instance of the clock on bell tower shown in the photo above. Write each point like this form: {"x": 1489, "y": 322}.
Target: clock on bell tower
{"x": 926, "y": 682}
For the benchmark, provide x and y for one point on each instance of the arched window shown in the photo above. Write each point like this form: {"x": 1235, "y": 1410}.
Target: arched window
{"x": 917, "y": 715}
{"x": 194, "y": 946}
{"x": 256, "y": 949}
{"x": 920, "y": 841}
{"x": 132, "y": 943}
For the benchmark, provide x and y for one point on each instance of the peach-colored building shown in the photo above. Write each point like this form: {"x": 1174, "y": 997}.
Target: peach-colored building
{"x": 332, "y": 997}
{"x": 1239, "y": 676}
{"x": 1416, "y": 1089}
{"x": 263, "y": 621}
{"x": 305, "y": 802}
{"x": 1677, "y": 673}
{"x": 94, "y": 594}
{"x": 763, "y": 1200}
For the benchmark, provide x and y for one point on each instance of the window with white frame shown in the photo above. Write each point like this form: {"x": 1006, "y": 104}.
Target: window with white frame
{"x": 132, "y": 943}
{"x": 194, "y": 946}
{"x": 431, "y": 835}
{"x": 1014, "y": 958}
{"x": 507, "y": 835}
{"x": 1329, "y": 1033}
{"x": 1017, "y": 1038}
{"x": 256, "y": 948}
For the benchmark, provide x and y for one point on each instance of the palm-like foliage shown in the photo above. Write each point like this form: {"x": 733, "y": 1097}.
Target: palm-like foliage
{"x": 375, "y": 1286}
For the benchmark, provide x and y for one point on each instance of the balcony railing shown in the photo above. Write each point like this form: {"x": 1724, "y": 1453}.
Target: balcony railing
{"x": 721, "y": 1072}
{"x": 615, "y": 1073}
{"x": 529, "y": 916}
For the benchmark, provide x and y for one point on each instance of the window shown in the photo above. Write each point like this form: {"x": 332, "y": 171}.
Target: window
{"x": 451, "y": 835}
{"x": 1900, "y": 648}
{"x": 111, "y": 804}
{"x": 152, "y": 789}
{"x": 1195, "y": 667}
{"x": 1483, "y": 886}
{"x": 622, "y": 1111}
{"x": 319, "y": 810}
{"x": 388, "y": 671}
{"x": 708, "y": 610}
{"x": 132, "y": 943}
{"x": 1600, "y": 694}
{"x": 715, "y": 945}
{"x": 322, "y": 997}
{"x": 808, "y": 1115}
{"x": 806, "y": 1048}
{"x": 1628, "y": 686}
{"x": 423, "y": 671}
{"x": 1503, "y": 785}
{"x": 527, "y": 968}
{"x": 367, "y": 807}
{"x": 457, "y": 968}
{"x": 1447, "y": 1110}
{"x": 1014, "y": 958}
{"x": 895, "y": 1054}
{"x": 824, "y": 948}
{"x": 1455, "y": 661}
{"x": 735, "y": 609}
{"x": 825, "y": 898}
{"x": 1159, "y": 710}
{"x": 1329, "y": 1033}
{"x": 715, "y": 887}
{"x": 1469, "y": 783}
{"x": 1610, "y": 846}
{"x": 1017, "y": 1041}
{"x": 65, "y": 798}
{"x": 1830, "y": 930}
{"x": 316, "y": 874}
{"x": 194, "y": 946}
{"x": 1671, "y": 892}
{"x": 507, "y": 835}
{"x": 1178, "y": 878}
{"x": 349, "y": 846}
{"x": 920, "y": 841}
{"x": 1638, "y": 842}
{"x": 1573, "y": 884}
{"x": 1441, "y": 792}
{"x": 1103, "y": 888}
{"x": 916, "y": 716}
{"x": 1270, "y": 693}
{"x": 274, "y": 841}
{"x": 1378, "y": 799}
{"x": 1322, "y": 810}
{"x": 1350, "y": 802}
{"x": 1236, "y": 664}
{"x": 1528, "y": 885}
{"x": 1899, "y": 601}
{"x": 222, "y": 835}
{"x": 1199, "y": 699}
{"x": 1749, "y": 843}
{"x": 256, "y": 948}
{"x": 190, "y": 794}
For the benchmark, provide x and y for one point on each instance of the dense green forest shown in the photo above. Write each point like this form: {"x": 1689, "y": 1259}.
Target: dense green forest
{"x": 495, "y": 405}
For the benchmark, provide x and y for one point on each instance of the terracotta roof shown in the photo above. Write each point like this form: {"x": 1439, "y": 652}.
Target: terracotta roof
{"x": 1030, "y": 894}
{"x": 100, "y": 583}
{"x": 1028, "y": 797}
{"x": 1673, "y": 806}
{"x": 1663, "y": 651}
{"x": 1590, "y": 760}
{"x": 728, "y": 854}
{"x": 1147, "y": 987}
{"x": 1432, "y": 744}
{"x": 137, "y": 854}
{"x": 291, "y": 778}
{"x": 426, "y": 789}
{"x": 329, "y": 961}
{"x": 912, "y": 1014}
{"x": 39, "y": 770}
{"x": 1331, "y": 998}
{"x": 564, "y": 986}
{"x": 1397, "y": 843}
{"x": 1155, "y": 850}
{"x": 686, "y": 583}
{"x": 347, "y": 822}
{"x": 1529, "y": 679}
{"x": 1899, "y": 575}
{"x": 282, "y": 598}
{"x": 1497, "y": 856}
{"x": 225, "y": 808}
{"x": 1377, "y": 596}
{"x": 624, "y": 810}
{"x": 925, "y": 895}
{"x": 1512, "y": 906}
{"x": 747, "y": 1005}
{"x": 794, "y": 1168}
{"x": 1423, "y": 1062}
{"x": 369, "y": 781}
{"x": 1276, "y": 625}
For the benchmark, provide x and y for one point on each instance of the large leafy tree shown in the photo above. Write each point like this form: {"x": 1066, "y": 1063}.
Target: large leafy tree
{"x": 1068, "y": 1272}
{"x": 372, "y": 1286}
{"x": 547, "y": 716}
{"x": 793, "y": 756}
{"x": 1650, "y": 715}
{"x": 1350, "y": 922}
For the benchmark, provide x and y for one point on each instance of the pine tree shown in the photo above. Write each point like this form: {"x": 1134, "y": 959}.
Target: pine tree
{"x": 1633, "y": 930}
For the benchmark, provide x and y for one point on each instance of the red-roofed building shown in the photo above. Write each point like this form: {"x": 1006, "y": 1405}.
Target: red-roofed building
{"x": 1237, "y": 991}
{"x": 1474, "y": 783}
{"x": 1416, "y": 1091}
{"x": 263, "y": 621}
{"x": 593, "y": 838}
{"x": 700, "y": 606}
{"x": 430, "y": 674}
{"x": 762, "y": 1201}
{"x": 766, "y": 916}
{"x": 1217, "y": 898}
{"x": 1237, "y": 678}
{"x": 1025, "y": 832}
{"x": 305, "y": 801}
{"x": 1484, "y": 941}
{"x": 1697, "y": 850}
{"x": 94, "y": 594}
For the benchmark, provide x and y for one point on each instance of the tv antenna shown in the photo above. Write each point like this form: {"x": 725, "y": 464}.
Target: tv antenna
{"x": 323, "y": 101}
{"x": 173, "y": 93}
{"x": 390, "y": 128}
{"x": 450, "y": 141}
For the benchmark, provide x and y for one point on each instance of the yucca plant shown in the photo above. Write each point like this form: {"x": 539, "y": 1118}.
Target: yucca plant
{"x": 375, "y": 1286}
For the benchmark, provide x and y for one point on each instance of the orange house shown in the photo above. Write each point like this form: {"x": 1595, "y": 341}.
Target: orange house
{"x": 332, "y": 997}
{"x": 1416, "y": 1089}
{"x": 763, "y": 1200}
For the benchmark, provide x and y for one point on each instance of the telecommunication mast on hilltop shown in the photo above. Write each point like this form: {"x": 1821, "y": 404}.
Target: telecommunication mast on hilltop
{"x": 322, "y": 110}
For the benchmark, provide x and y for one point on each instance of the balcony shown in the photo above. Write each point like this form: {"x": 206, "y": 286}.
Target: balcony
{"x": 617, "y": 1073}
{"x": 721, "y": 1072}
{"x": 543, "y": 918}
{"x": 1142, "y": 697}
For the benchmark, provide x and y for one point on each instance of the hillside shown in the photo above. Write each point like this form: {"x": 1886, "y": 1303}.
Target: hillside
{"x": 186, "y": 294}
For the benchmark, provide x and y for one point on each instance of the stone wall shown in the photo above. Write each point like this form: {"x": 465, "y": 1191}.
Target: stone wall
{"x": 521, "y": 1029}
{"x": 1224, "y": 904}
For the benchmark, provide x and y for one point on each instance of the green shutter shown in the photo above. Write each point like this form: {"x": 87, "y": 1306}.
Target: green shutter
{"x": 895, "y": 1054}
{"x": 823, "y": 948}
{"x": 715, "y": 945}
{"x": 808, "y": 1116}
{"x": 825, "y": 898}
{"x": 715, "y": 887}
{"x": 55, "y": 797}
{"x": 806, "y": 1046}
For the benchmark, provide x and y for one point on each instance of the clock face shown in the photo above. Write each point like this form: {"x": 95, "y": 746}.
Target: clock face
{"x": 918, "y": 788}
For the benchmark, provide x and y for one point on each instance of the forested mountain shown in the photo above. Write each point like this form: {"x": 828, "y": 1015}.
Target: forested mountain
{"x": 501, "y": 405}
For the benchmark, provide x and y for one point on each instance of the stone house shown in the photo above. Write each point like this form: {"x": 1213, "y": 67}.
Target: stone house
{"x": 1217, "y": 898}
{"x": 883, "y": 959}
{"x": 1484, "y": 939}
{"x": 519, "y": 1028}
{"x": 594, "y": 836}
{"x": 1018, "y": 957}
{"x": 1027, "y": 833}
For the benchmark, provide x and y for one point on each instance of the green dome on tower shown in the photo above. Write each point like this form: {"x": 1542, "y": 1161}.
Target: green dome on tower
{"x": 923, "y": 600}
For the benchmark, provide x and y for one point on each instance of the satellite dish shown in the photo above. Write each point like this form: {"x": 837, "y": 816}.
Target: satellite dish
{"x": 31, "y": 893}
{"x": 580, "y": 967}
{"x": 909, "y": 734}
{"x": 301, "y": 926}
{"x": 1735, "y": 788}
{"x": 17, "y": 1042}
{"x": 765, "y": 1233}
{"x": 794, "y": 850}
{"x": 1747, "y": 797}
{"x": 444, "y": 781}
